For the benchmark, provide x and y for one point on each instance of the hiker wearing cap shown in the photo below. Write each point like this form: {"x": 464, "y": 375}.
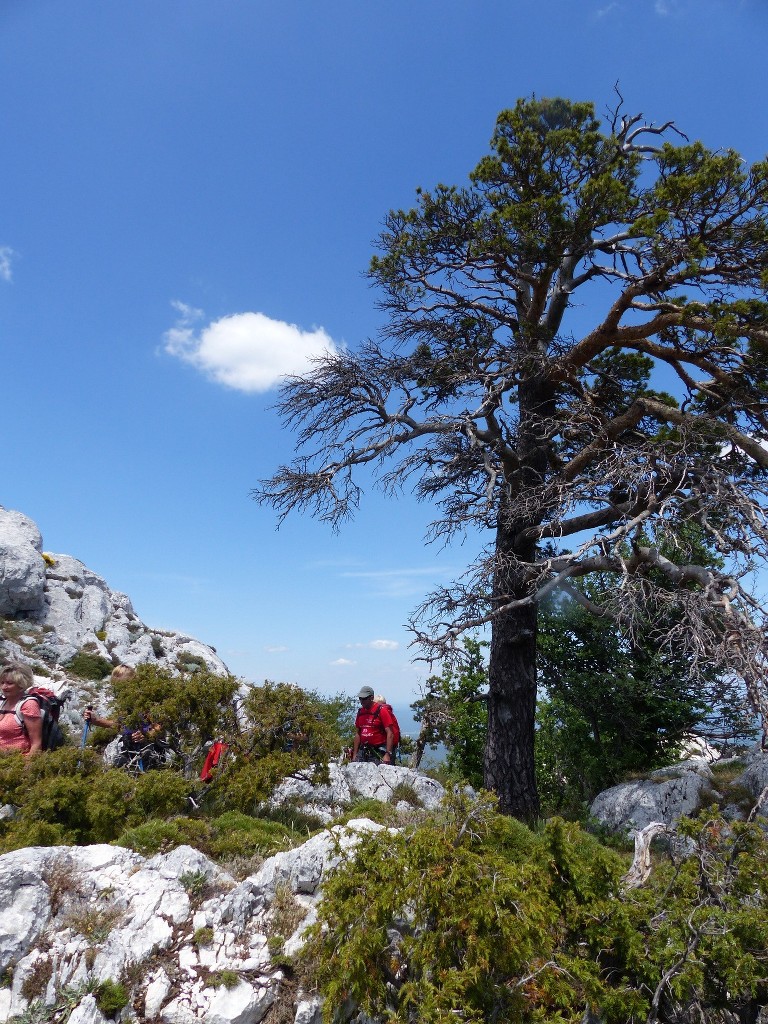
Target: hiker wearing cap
{"x": 21, "y": 725}
{"x": 373, "y": 728}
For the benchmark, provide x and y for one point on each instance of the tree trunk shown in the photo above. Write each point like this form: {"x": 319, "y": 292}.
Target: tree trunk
{"x": 509, "y": 768}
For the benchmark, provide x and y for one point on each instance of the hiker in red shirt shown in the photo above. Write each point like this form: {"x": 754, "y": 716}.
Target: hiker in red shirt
{"x": 373, "y": 728}
{"x": 21, "y": 726}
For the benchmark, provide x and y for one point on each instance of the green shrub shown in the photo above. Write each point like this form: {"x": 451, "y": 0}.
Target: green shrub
{"x": 88, "y": 665}
{"x": 194, "y": 882}
{"x": 191, "y": 708}
{"x": 111, "y": 997}
{"x": 496, "y": 922}
{"x": 234, "y": 834}
{"x": 367, "y": 807}
{"x": 224, "y": 979}
{"x": 406, "y": 793}
{"x": 202, "y": 937}
{"x": 190, "y": 662}
{"x": 108, "y": 804}
{"x": 159, "y": 794}
{"x": 158, "y": 836}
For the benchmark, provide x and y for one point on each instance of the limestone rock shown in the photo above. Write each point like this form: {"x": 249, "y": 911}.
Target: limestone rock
{"x": 22, "y": 568}
{"x": 308, "y": 1011}
{"x": 666, "y": 796}
{"x": 65, "y": 606}
{"x": 755, "y": 777}
{"x": 349, "y": 781}
{"x": 244, "y": 1004}
{"x": 87, "y": 1012}
{"x": 302, "y": 869}
{"x": 95, "y": 913}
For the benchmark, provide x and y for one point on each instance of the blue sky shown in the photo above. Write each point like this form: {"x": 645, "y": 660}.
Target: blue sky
{"x": 189, "y": 190}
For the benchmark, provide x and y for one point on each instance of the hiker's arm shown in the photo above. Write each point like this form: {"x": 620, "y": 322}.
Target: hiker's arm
{"x": 34, "y": 729}
{"x": 390, "y": 742}
{"x": 104, "y": 723}
{"x": 356, "y": 745}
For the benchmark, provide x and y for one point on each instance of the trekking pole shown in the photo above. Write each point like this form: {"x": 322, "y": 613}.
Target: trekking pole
{"x": 86, "y": 728}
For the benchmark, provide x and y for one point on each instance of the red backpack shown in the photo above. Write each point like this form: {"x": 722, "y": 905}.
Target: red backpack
{"x": 50, "y": 708}
{"x": 395, "y": 724}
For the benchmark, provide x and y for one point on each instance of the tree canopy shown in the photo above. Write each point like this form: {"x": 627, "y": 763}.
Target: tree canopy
{"x": 573, "y": 367}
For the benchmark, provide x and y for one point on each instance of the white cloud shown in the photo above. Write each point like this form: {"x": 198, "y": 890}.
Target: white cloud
{"x": 603, "y": 11}
{"x": 343, "y": 661}
{"x": 277, "y": 649}
{"x": 246, "y": 351}
{"x": 397, "y": 583}
{"x": 6, "y": 256}
{"x": 378, "y": 645}
{"x": 384, "y": 645}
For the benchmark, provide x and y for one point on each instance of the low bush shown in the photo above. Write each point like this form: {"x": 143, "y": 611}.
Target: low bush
{"x": 202, "y": 937}
{"x": 472, "y": 915}
{"x": 88, "y": 665}
{"x": 111, "y": 997}
{"x": 159, "y": 836}
{"x": 224, "y": 979}
{"x": 234, "y": 834}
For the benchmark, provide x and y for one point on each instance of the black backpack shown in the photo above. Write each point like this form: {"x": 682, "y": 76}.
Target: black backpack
{"x": 50, "y": 708}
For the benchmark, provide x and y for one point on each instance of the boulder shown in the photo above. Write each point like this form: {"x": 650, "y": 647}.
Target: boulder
{"x": 243, "y": 1004}
{"x": 351, "y": 781}
{"x": 66, "y": 607}
{"x": 665, "y": 796}
{"x": 22, "y": 567}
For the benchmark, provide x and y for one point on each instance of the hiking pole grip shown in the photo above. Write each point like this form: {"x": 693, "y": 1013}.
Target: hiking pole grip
{"x": 86, "y": 727}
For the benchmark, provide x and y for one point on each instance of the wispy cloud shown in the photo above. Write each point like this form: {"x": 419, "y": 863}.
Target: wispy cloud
{"x": 663, "y": 8}
{"x": 397, "y": 582}
{"x": 377, "y": 645}
{"x": 343, "y": 662}
{"x": 246, "y": 351}
{"x": 276, "y": 649}
{"x": 333, "y": 563}
{"x": 6, "y": 258}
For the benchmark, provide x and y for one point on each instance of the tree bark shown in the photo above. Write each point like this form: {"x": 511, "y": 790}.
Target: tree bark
{"x": 509, "y": 767}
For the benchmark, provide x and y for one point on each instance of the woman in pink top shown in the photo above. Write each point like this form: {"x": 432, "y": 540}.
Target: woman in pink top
{"x": 27, "y": 736}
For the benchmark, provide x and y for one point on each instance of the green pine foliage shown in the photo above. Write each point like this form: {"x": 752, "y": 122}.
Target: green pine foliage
{"x": 454, "y": 713}
{"x": 472, "y": 916}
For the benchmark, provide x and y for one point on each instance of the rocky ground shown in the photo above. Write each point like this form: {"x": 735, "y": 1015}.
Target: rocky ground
{"x": 53, "y": 608}
{"x": 185, "y": 940}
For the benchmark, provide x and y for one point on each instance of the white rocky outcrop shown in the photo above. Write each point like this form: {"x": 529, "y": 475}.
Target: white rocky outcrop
{"x": 58, "y": 606}
{"x": 678, "y": 791}
{"x": 350, "y": 781}
{"x": 22, "y": 567}
{"x": 188, "y": 942}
